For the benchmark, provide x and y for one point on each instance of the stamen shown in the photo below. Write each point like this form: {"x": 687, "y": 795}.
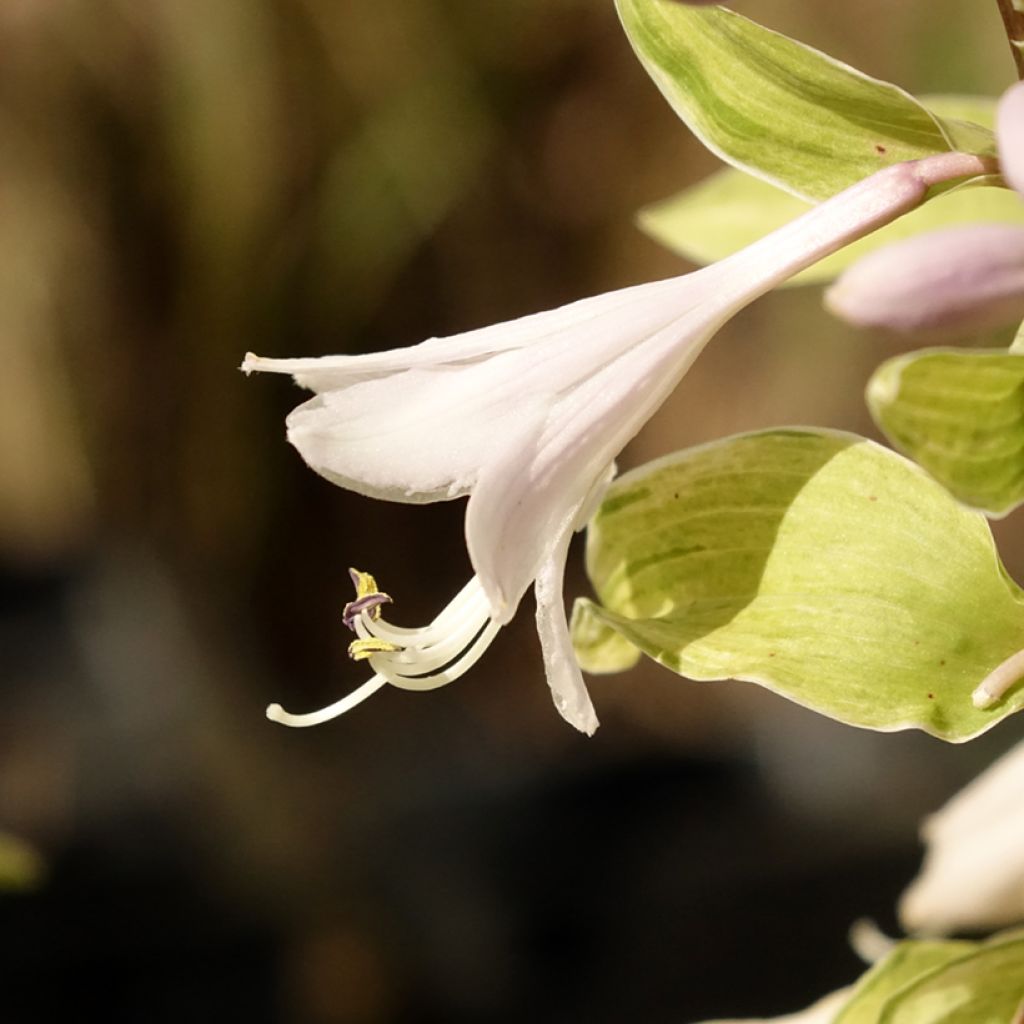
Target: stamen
{"x": 454, "y": 671}
{"x": 369, "y": 598}
{"x": 366, "y": 647}
{"x": 364, "y": 583}
{"x": 869, "y": 942}
{"x": 999, "y": 680}
{"x": 276, "y": 713}
{"x": 417, "y": 654}
{"x": 468, "y": 601}
{"x": 411, "y": 659}
{"x": 422, "y": 664}
{"x": 466, "y": 620}
{"x": 369, "y": 604}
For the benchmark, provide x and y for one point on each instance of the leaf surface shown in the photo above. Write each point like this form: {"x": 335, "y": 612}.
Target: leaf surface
{"x": 781, "y": 110}
{"x": 817, "y": 564}
{"x": 960, "y": 414}
{"x": 731, "y": 209}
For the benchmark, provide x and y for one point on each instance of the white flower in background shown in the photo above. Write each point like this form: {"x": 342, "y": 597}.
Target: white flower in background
{"x": 973, "y": 873}
{"x": 1010, "y": 135}
{"x": 526, "y": 418}
{"x": 951, "y": 281}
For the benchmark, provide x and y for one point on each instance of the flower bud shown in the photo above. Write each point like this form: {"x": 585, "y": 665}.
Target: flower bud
{"x": 955, "y": 281}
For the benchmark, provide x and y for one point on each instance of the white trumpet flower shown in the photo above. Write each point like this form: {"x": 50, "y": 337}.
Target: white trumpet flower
{"x": 526, "y": 418}
{"x": 973, "y": 873}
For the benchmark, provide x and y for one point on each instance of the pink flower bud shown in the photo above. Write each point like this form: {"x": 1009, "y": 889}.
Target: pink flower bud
{"x": 957, "y": 280}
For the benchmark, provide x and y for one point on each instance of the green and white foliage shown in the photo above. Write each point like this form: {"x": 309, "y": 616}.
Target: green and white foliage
{"x": 815, "y": 563}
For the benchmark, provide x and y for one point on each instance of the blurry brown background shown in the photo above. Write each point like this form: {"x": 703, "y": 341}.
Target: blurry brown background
{"x": 181, "y": 181}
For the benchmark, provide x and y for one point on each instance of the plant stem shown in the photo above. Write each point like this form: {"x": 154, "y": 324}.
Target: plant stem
{"x": 1013, "y": 22}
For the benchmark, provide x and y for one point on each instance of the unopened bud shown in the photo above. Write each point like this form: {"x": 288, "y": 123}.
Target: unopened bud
{"x": 953, "y": 281}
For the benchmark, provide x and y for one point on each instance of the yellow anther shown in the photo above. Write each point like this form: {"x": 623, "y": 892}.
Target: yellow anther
{"x": 360, "y": 650}
{"x": 365, "y": 584}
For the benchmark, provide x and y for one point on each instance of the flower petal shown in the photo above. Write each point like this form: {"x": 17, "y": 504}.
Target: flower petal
{"x": 563, "y": 673}
{"x": 418, "y": 436}
{"x": 973, "y": 874}
{"x": 539, "y": 487}
{"x": 536, "y": 487}
{"x": 327, "y": 373}
{"x": 425, "y": 423}
{"x": 954, "y": 281}
{"x": 422, "y": 429}
{"x": 1010, "y": 135}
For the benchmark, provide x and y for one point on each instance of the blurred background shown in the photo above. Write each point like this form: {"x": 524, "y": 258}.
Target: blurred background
{"x": 182, "y": 181}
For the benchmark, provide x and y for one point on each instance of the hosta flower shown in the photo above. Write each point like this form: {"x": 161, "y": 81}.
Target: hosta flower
{"x": 973, "y": 874}
{"x": 952, "y": 281}
{"x": 526, "y": 418}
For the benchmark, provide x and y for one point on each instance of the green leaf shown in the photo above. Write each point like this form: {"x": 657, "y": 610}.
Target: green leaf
{"x": 599, "y": 648}
{"x": 960, "y": 414}
{"x": 774, "y": 107}
{"x": 817, "y": 564}
{"x": 986, "y": 987}
{"x": 729, "y": 210}
{"x": 975, "y": 111}
{"x": 908, "y": 962}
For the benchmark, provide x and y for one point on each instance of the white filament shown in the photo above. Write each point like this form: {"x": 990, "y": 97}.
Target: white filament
{"x": 463, "y": 628}
{"x": 999, "y": 680}
{"x": 470, "y": 602}
{"x": 457, "y": 668}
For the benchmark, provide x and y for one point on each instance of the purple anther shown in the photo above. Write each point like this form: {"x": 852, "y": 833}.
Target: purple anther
{"x": 355, "y": 608}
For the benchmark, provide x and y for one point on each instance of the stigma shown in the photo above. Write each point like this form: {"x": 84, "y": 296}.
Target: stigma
{"x": 998, "y": 681}
{"x": 411, "y": 659}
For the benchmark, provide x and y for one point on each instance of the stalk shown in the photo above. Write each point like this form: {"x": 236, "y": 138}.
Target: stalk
{"x": 1012, "y": 13}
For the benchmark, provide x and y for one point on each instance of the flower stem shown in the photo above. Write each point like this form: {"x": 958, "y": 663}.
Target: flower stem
{"x": 1012, "y": 12}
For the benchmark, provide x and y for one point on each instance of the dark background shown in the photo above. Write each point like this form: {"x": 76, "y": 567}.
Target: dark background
{"x": 181, "y": 181}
